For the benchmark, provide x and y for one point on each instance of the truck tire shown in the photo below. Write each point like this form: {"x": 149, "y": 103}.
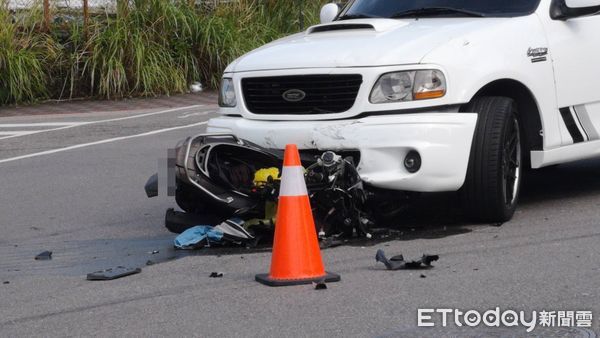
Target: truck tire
{"x": 493, "y": 181}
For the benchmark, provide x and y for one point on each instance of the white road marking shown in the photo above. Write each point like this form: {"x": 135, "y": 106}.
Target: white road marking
{"x": 43, "y": 131}
{"x": 68, "y": 125}
{"x": 83, "y": 145}
{"x": 16, "y": 132}
{"x": 144, "y": 115}
{"x": 202, "y": 113}
{"x": 42, "y": 124}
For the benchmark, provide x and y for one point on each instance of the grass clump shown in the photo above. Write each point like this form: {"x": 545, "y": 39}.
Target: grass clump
{"x": 25, "y": 57}
{"x": 146, "y": 48}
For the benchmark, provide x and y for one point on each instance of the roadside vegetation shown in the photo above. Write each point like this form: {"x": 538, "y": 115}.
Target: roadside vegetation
{"x": 143, "y": 48}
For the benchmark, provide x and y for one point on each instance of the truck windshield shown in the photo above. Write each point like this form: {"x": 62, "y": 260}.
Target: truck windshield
{"x": 432, "y": 8}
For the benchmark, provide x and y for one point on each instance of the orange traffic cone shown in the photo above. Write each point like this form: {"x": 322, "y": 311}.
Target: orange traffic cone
{"x": 296, "y": 256}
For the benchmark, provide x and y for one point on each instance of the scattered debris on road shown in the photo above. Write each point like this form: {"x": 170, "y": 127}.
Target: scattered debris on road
{"x": 149, "y": 262}
{"x": 320, "y": 285}
{"x": 151, "y": 186}
{"x": 154, "y": 252}
{"x": 6, "y": 282}
{"x": 398, "y": 262}
{"x": 216, "y": 275}
{"x": 113, "y": 273}
{"x": 44, "y": 256}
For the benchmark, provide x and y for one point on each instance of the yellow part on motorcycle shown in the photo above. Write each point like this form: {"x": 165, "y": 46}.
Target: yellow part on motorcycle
{"x": 261, "y": 176}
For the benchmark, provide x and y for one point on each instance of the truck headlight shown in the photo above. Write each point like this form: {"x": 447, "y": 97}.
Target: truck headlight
{"x": 409, "y": 86}
{"x": 227, "y": 93}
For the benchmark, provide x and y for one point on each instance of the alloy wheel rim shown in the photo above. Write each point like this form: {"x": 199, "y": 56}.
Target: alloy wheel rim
{"x": 511, "y": 162}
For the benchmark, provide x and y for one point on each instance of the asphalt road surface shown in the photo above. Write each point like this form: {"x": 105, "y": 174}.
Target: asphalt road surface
{"x": 73, "y": 184}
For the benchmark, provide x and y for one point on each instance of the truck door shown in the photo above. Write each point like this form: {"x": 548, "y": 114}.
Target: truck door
{"x": 574, "y": 46}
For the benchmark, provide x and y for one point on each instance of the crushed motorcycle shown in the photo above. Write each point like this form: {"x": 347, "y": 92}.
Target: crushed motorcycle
{"x": 220, "y": 177}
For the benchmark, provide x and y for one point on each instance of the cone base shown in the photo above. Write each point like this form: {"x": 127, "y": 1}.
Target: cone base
{"x": 264, "y": 278}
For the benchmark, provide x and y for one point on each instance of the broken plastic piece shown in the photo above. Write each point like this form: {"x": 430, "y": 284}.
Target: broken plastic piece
{"x": 113, "y": 273}
{"x": 6, "y": 282}
{"x": 320, "y": 285}
{"x": 398, "y": 262}
{"x": 330, "y": 242}
{"x": 154, "y": 252}
{"x": 233, "y": 230}
{"x": 44, "y": 256}
{"x": 151, "y": 186}
{"x": 216, "y": 275}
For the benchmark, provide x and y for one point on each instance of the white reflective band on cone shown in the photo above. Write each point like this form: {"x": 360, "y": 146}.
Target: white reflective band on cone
{"x": 292, "y": 182}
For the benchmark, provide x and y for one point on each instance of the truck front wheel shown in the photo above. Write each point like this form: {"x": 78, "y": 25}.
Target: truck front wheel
{"x": 493, "y": 181}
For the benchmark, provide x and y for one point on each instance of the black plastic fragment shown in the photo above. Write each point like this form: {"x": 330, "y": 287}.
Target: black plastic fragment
{"x": 44, "y": 256}
{"x": 151, "y": 186}
{"x": 398, "y": 258}
{"x": 330, "y": 242}
{"x": 398, "y": 262}
{"x": 6, "y": 282}
{"x": 320, "y": 285}
{"x": 216, "y": 275}
{"x": 113, "y": 273}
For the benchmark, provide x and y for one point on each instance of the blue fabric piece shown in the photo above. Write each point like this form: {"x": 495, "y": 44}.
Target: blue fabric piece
{"x": 194, "y": 237}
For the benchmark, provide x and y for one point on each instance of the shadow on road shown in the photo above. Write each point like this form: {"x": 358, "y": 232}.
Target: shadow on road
{"x": 565, "y": 181}
{"x": 439, "y": 215}
{"x": 430, "y": 217}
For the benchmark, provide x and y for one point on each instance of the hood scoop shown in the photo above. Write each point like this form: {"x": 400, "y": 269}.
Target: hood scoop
{"x": 340, "y": 27}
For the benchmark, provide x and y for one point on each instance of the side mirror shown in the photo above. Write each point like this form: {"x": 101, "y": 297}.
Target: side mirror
{"x": 569, "y": 9}
{"x": 329, "y": 12}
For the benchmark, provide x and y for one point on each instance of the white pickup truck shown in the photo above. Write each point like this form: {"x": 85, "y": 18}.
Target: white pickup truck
{"x": 434, "y": 95}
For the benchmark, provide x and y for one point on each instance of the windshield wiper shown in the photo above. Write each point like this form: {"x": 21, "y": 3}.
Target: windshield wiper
{"x": 435, "y": 10}
{"x": 355, "y": 16}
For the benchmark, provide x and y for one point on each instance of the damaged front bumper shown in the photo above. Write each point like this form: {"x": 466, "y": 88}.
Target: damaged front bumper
{"x": 442, "y": 140}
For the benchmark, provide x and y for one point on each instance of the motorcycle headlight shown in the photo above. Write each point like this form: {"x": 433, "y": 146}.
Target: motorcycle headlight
{"x": 409, "y": 86}
{"x": 227, "y": 94}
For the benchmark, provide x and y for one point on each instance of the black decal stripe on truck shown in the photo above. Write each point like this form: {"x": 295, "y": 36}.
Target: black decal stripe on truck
{"x": 574, "y": 111}
{"x": 571, "y": 125}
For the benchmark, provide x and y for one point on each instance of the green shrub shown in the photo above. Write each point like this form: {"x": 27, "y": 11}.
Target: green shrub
{"x": 148, "y": 48}
{"x": 25, "y": 56}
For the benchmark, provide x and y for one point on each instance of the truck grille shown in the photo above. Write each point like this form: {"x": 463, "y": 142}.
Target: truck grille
{"x": 324, "y": 94}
